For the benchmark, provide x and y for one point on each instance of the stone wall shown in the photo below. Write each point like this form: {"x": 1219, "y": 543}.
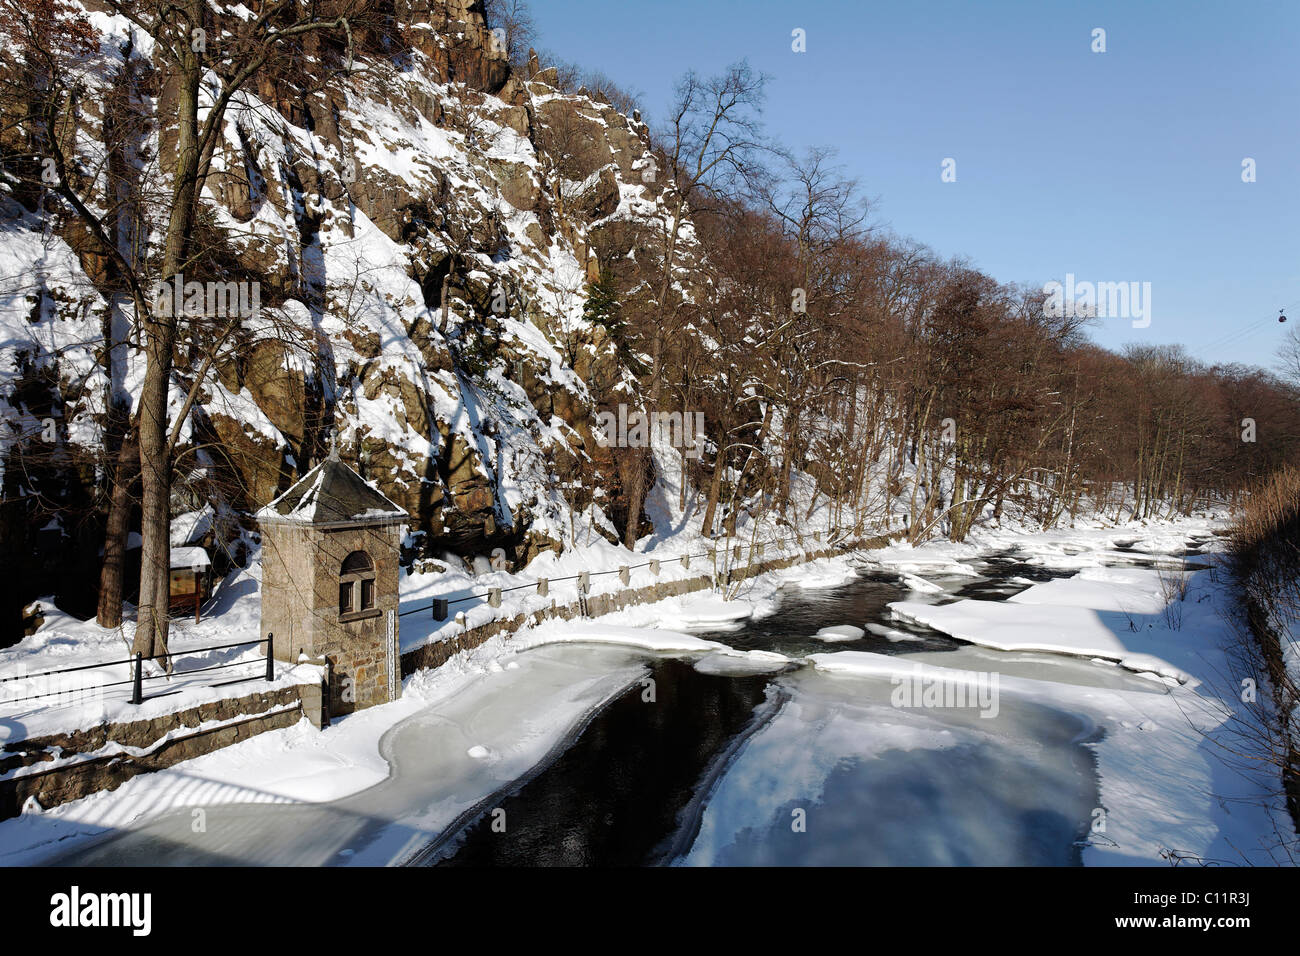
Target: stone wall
{"x": 287, "y": 570}
{"x": 439, "y": 652}
{"x": 357, "y": 647}
{"x": 300, "y": 605}
{"x": 78, "y": 768}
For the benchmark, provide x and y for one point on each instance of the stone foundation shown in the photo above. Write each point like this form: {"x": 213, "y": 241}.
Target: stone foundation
{"x": 77, "y": 768}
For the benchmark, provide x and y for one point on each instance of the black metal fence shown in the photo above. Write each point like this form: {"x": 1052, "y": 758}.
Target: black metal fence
{"x": 138, "y": 677}
{"x": 440, "y": 607}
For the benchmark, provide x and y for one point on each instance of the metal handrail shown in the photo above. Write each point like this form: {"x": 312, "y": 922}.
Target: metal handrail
{"x": 138, "y": 678}
{"x": 645, "y": 564}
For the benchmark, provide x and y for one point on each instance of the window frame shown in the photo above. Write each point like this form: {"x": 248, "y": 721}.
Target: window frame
{"x": 358, "y": 582}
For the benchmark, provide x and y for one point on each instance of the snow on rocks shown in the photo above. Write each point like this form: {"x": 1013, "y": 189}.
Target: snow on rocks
{"x": 704, "y": 612}
{"x": 810, "y": 577}
{"x": 891, "y": 634}
{"x": 915, "y": 583}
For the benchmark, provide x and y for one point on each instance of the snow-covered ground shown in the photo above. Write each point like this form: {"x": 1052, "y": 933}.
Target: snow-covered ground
{"x": 32, "y": 704}
{"x": 1170, "y": 737}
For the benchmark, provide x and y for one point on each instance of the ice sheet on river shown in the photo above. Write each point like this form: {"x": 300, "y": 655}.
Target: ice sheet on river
{"x": 1058, "y": 761}
{"x": 1116, "y": 614}
{"x": 1000, "y": 791}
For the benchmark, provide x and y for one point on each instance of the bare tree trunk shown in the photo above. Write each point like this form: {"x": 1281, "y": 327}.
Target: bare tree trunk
{"x": 155, "y": 459}
{"x": 636, "y": 489}
{"x": 109, "y": 610}
{"x": 715, "y": 490}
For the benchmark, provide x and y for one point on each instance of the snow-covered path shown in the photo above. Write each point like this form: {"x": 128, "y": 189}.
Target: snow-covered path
{"x": 444, "y": 761}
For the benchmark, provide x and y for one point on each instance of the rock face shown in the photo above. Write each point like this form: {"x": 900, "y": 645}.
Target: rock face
{"x": 422, "y": 233}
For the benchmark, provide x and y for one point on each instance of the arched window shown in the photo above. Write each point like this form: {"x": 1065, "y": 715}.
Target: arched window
{"x": 356, "y": 584}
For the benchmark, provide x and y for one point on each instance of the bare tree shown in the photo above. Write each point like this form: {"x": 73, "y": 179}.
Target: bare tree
{"x": 712, "y": 144}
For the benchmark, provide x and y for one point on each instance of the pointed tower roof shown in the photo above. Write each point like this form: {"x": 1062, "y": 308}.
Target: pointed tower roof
{"x": 332, "y": 493}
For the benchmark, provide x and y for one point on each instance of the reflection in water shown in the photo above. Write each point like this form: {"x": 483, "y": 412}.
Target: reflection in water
{"x": 612, "y": 796}
{"x": 841, "y": 778}
{"x": 713, "y": 769}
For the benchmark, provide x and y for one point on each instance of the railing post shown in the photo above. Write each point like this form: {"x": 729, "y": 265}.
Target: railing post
{"x": 440, "y": 609}
{"x": 270, "y": 658}
{"x": 325, "y": 694}
{"x": 137, "y": 691}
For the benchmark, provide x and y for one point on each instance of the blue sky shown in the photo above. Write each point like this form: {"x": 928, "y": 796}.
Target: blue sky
{"x": 1115, "y": 166}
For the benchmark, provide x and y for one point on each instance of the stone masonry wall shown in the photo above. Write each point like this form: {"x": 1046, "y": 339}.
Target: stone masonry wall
{"x": 71, "y": 779}
{"x": 357, "y": 648}
{"x": 287, "y": 570}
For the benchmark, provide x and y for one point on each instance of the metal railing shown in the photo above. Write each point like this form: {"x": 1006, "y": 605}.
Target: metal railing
{"x": 138, "y": 677}
{"x": 440, "y": 607}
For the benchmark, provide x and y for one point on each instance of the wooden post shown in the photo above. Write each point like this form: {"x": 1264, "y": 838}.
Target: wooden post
{"x": 624, "y": 574}
{"x": 198, "y": 594}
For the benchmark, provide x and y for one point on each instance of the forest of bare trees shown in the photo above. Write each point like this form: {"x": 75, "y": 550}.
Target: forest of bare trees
{"x": 819, "y": 345}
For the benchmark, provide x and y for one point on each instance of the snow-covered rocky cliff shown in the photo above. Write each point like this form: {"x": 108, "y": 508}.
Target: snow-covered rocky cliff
{"x": 421, "y": 231}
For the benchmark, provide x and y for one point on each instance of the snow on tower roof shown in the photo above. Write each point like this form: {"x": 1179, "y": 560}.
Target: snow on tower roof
{"x": 330, "y": 493}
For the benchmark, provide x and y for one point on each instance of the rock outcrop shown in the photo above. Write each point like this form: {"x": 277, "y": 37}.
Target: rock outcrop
{"x": 422, "y": 232}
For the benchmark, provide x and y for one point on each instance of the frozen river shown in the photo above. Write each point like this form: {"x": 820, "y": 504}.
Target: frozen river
{"x": 802, "y": 767}
{"x": 697, "y": 759}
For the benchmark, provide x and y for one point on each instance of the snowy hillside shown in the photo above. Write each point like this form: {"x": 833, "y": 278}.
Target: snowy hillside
{"x": 422, "y": 258}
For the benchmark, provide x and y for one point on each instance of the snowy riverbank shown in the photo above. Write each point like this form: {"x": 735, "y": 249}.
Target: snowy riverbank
{"x": 1173, "y": 773}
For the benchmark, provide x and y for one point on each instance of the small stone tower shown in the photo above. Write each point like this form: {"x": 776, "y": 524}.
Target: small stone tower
{"x": 329, "y": 582}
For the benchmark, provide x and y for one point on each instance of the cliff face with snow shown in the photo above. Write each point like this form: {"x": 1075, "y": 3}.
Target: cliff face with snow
{"x": 422, "y": 231}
